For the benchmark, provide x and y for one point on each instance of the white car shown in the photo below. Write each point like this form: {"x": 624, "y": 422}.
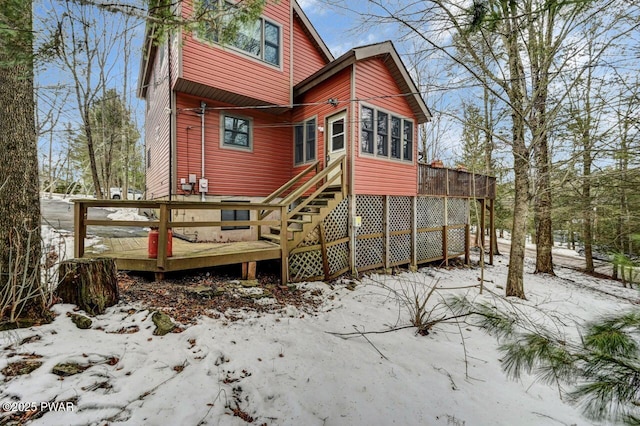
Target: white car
{"x": 132, "y": 194}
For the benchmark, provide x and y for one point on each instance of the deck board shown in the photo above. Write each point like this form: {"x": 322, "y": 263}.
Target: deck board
{"x": 131, "y": 254}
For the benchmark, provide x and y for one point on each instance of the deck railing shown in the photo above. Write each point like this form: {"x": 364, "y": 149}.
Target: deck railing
{"x": 164, "y": 221}
{"x": 454, "y": 183}
{"x": 332, "y": 175}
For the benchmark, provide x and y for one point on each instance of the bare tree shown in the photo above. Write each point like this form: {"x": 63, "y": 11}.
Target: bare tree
{"x": 527, "y": 45}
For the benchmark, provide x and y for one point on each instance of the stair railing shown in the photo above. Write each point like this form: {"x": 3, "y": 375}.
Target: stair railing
{"x": 315, "y": 166}
{"x": 321, "y": 181}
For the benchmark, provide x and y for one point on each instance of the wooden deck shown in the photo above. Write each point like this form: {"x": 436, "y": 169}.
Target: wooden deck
{"x": 131, "y": 254}
{"x": 285, "y": 202}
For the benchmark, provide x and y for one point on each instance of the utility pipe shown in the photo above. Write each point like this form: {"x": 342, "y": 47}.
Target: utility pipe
{"x": 204, "y": 108}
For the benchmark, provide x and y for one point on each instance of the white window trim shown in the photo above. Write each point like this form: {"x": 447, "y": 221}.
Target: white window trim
{"x": 244, "y": 53}
{"x": 304, "y": 142}
{"x": 222, "y": 131}
{"x": 390, "y": 114}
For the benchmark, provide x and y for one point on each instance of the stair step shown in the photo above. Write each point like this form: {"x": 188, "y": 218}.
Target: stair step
{"x": 273, "y": 237}
{"x": 300, "y": 221}
{"x": 306, "y": 214}
{"x": 289, "y": 229}
{"x": 318, "y": 202}
{"x": 326, "y": 195}
{"x": 332, "y": 189}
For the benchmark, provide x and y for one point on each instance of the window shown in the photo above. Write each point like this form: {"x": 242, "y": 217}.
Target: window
{"x": 259, "y": 38}
{"x": 367, "y": 130}
{"x": 393, "y": 135}
{"x": 236, "y": 132}
{"x": 234, "y": 215}
{"x": 407, "y": 141}
{"x": 305, "y": 142}
{"x": 383, "y": 140}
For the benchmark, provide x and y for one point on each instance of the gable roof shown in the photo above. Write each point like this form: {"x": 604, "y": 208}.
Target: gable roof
{"x": 388, "y": 53}
{"x": 146, "y": 61}
{"x": 310, "y": 30}
{"x": 150, "y": 48}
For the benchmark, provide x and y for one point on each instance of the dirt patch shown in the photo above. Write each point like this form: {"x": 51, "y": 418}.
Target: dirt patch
{"x": 186, "y": 298}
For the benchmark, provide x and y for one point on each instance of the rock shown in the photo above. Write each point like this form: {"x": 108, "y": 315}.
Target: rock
{"x": 206, "y": 292}
{"x": 248, "y": 283}
{"x": 68, "y": 369}
{"x": 163, "y": 323}
{"x": 81, "y": 321}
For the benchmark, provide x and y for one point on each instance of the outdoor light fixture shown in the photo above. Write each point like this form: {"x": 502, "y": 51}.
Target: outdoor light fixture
{"x": 333, "y": 102}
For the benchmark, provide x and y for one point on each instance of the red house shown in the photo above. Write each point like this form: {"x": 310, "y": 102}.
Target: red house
{"x": 249, "y": 115}
{"x": 235, "y": 122}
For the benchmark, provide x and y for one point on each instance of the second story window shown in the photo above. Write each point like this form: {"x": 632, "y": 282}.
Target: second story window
{"x": 259, "y": 38}
{"x": 236, "y": 132}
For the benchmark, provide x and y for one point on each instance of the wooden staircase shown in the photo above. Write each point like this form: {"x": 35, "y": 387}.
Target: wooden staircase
{"x": 308, "y": 204}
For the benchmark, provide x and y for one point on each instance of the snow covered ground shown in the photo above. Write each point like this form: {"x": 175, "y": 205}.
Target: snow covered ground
{"x": 286, "y": 368}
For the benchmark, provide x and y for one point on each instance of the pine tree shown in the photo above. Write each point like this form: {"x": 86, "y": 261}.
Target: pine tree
{"x": 20, "y": 207}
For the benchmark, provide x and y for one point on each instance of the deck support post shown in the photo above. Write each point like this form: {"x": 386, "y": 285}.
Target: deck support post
{"x": 80, "y": 228}
{"x": 492, "y": 230}
{"x": 284, "y": 239}
{"x": 483, "y": 221}
{"x": 445, "y": 232}
{"x": 162, "y": 237}
{"x": 385, "y": 232}
{"x": 414, "y": 233}
{"x": 467, "y": 242}
{"x": 249, "y": 270}
{"x": 323, "y": 250}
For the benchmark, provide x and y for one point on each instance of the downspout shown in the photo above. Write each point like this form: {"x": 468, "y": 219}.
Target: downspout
{"x": 171, "y": 139}
{"x": 204, "y": 108}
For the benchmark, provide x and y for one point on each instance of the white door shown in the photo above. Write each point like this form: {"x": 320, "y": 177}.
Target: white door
{"x": 336, "y": 139}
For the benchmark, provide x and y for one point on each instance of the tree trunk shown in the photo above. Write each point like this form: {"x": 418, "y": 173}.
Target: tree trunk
{"x": 516, "y": 92}
{"x": 91, "y": 284}
{"x": 540, "y": 43}
{"x": 544, "y": 231}
{"x": 515, "y": 276}
{"x": 20, "y": 248}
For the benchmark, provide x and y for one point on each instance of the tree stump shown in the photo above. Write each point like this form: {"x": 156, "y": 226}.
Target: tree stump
{"x": 91, "y": 284}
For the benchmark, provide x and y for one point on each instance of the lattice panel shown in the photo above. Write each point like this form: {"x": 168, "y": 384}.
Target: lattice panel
{"x": 336, "y": 224}
{"x": 369, "y": 252}
{"x": 370, "y": 208}
{"x": 312, "y": 238}
{"x": 457, "y": 211}
{"x": 429, "y": 245}
{"x": 399, "y": 213}
{"x": 400, "y": 249}
{"x": 305, "y": 265}
{"x": 430, "y": 212}
{"x": 455, "y": 241}
{"x": 338, "y": 257}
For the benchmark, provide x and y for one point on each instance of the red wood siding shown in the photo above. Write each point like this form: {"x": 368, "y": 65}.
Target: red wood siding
{"x": 306, "y": 58}
{"x": 379, "y": 176}
{"x": 157, "y": 130}
{"x": 337, "y": 87}
{"x": 231, "y": 70}
{"x": 234, "y": 172}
